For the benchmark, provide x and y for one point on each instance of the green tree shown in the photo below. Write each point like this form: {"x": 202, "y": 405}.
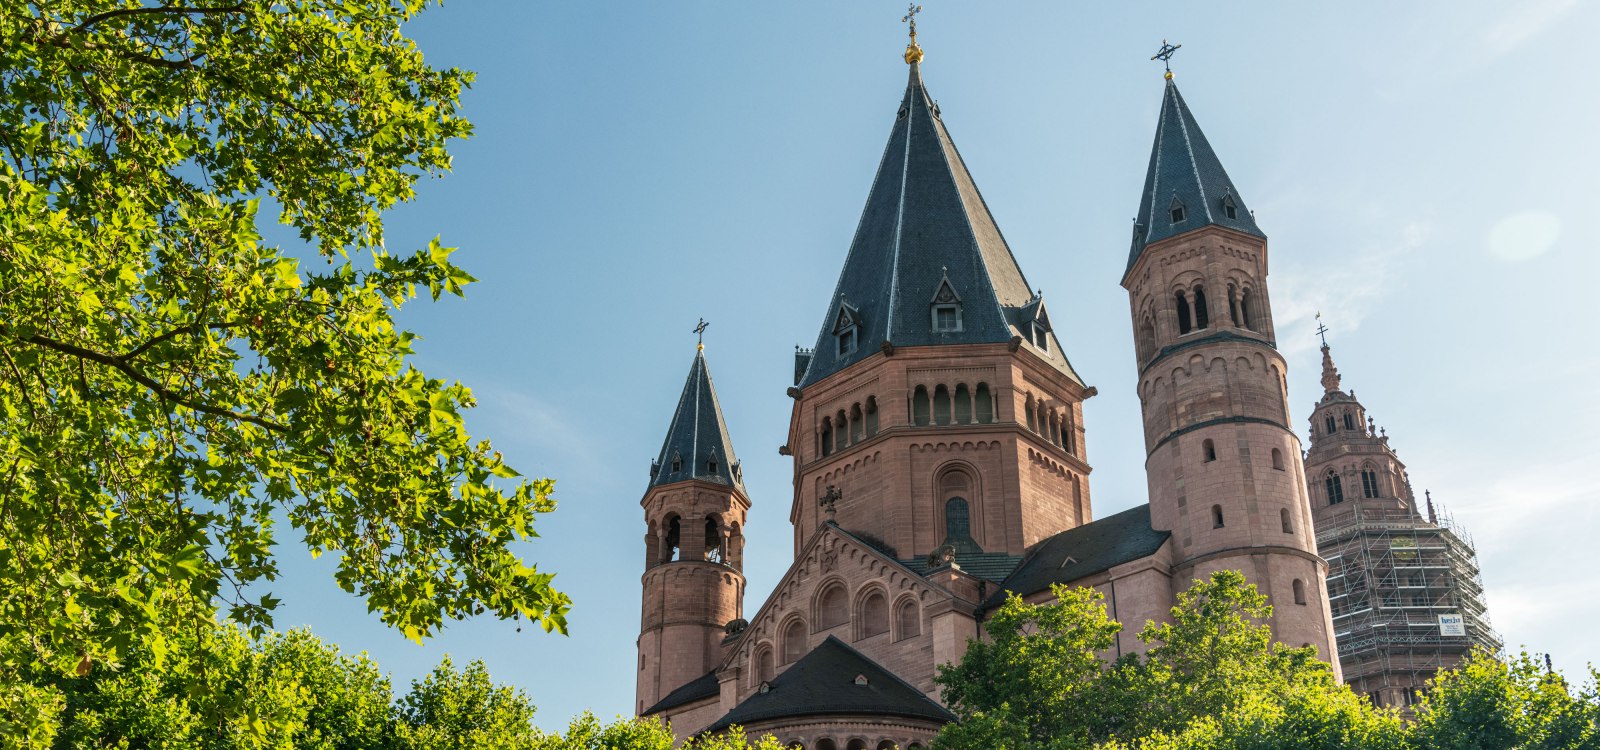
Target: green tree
{"x": 1516, "y": 703}
{"x": 1211, "y": 678}
{"x": 170, "y": 383}
{"x": 1026, "y": 685}
{"x": 450, "y": 710}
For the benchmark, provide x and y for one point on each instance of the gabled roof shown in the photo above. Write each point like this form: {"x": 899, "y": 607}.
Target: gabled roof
{"x": 924, "y": 221}
{"x": 824, "y": 682}
{"x": 1084, "y": 551}
{"x": 1184, "y": 171}
{"x": 697, "y": 436}
{"x": 700, "y": 688}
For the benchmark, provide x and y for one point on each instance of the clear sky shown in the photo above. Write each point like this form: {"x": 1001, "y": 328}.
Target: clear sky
{"x": 1425, "y": 171}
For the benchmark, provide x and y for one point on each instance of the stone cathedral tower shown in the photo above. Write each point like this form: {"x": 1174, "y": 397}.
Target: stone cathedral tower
{"x": 694, "y": 511}
{"x": 1403, "y": 586}
{"x": 1223, "y": 465}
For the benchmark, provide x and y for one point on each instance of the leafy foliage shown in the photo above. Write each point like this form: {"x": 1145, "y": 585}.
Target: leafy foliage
{"x": 1212, "y": 679}
{"x": 170, "y": 383}
{"x": 293, "y": 690}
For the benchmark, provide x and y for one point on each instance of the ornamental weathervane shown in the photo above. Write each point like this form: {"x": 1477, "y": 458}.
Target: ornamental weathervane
{"x": 1322, "y": 330}
{"x": 913, "y": 51}
{"x": 1165, "y": 55}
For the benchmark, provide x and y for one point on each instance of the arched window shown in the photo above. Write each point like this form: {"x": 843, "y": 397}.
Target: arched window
{"x": 677, "y": 463}
{"x": 857, "y": 744}
{"x": 652, "y": 545}
{"x": 1277, "y": 459}
{"x": 1033, "y": 423}
{"x": 674, "y": 538}
{"x": 1247, "y": 301}
{"x": 1331, "y": 425}
{"x": 1369, "y": 483}
{"x": 714, "y": 550}
{"x": 1216, "y": 517}
{"x": 887, "y": 745}
{"x": 833, "y": 607}
{"x": 1209, "y": 449}
{"x": 1069, "y": 434}
{"x": 1335, "y": 488}
{"x": 984, "y": 404}
{"x": 794, "y": 641}
{"x": 826, "y": 744}
{"x": 941, "y": 405}
{"x": 1183, "y": 314}
{"x": 1202, "y": 316}
{"x": 1052, "y": 427}
{"x": 1349, "y": 421}
{"x": 874, "y": 615}
{"x": 1299, "y": 591}
{"x": 963, "y": 404}
{"x": 1147, "y": 339}
{"x": 1233, "y": 305}
{"x": 711, "y": 463}
{"x": 858, "y": 424}
{"x": 872, "y": 416}
{"x": 907, "y": 619}
{"x": 827, "y": 436}
{"x": 764, "y": 666}
{"x": 919, "y": 406}
{"x": 957, "y": 519}
{"x": 841, "y": 430}
{"x": 1283, "y": 515}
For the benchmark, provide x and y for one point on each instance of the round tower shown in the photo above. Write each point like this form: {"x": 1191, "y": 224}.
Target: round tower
{"x": 694, "y": 511}
{"x": 1223, "y": 465}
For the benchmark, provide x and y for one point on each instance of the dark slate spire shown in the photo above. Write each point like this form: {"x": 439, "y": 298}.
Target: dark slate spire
{"x": 926, "y": 237}
{"x": 1184, "y": 172}
{"x": 697, "y": 444}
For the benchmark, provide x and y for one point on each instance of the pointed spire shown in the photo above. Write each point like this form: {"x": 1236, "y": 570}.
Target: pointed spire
{"x": 1185, "y": 187}
{"x": 697, "y": 444}
{"x": 924, "y": 223}
{"x": 1330, "y": 374}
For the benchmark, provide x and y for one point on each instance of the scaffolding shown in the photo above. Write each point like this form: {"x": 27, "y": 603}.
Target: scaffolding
{"x": 1391, "y": 574}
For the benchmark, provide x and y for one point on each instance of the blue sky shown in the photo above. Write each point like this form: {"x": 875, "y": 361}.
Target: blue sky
{"x": 1425, "y": 173}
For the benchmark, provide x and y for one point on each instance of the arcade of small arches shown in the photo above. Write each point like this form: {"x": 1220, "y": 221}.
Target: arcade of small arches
{"x": 721, "y": 541}
{"x": 845, "y": 428}
{"x": 868, "y": 612}
{"x": 1052, "y": 421}
{"x": 1195, "y": 311}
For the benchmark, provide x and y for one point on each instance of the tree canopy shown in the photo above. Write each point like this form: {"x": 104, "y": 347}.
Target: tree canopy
{"x": 1212, "y": 679}
{"x": 172, "y": 384}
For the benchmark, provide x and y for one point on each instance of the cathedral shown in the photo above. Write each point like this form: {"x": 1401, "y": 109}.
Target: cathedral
{"x": 938, "y": 446}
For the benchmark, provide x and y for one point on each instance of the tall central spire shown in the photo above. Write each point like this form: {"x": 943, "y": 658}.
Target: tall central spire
{"x": 926, "y": 240}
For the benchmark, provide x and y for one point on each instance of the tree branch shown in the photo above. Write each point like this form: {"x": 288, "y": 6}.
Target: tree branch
{"x": 161, "y": 10}
{"x": 174, "y": 333}
{"x": 133, "y": 374}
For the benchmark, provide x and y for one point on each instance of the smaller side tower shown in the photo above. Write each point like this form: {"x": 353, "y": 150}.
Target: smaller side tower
{"x": 694, "y": 511}
{"x": 1403, "y": 587}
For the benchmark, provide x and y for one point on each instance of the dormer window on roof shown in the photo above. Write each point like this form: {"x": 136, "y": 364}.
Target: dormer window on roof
{"x": 711, "y": 463}
{"x": 1177, "y": 210}
{"x": 677, "y": 463}
{"x": 946, "y": 308}
{"x": 1230, "y": 209}
{"x": 846, "y": 328}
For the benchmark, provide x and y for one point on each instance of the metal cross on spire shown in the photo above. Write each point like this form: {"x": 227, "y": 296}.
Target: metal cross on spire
{"x": 1322, "y": 330}
{"x": 1165, "y": 55}
{"x": 700, "y": 330}
{"x": 913, "y": 53}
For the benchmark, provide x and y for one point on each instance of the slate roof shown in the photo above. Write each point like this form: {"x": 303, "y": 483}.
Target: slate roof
{"x": 1183, "y": 167}
{"x": 993, "y": 566}
{"x": 1084, "y": 551}
{"x": 697, "y": 435}
{"x": 823, "y": 682}
{"x": 924, "y": 222}
{"x": 699, "y": 688}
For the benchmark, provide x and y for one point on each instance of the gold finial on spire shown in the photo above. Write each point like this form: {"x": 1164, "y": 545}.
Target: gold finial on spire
{"x": 913, "y": 51}
{"x": 700, "y": 330}
{"x": 1165, "y": 56}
